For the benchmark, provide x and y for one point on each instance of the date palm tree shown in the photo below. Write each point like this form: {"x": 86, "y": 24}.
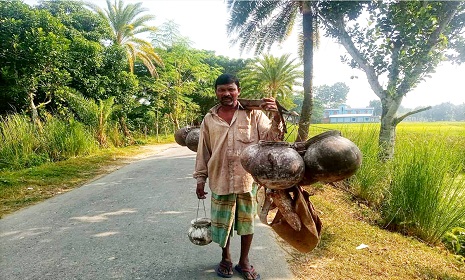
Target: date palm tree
{"x": 259, "y": 24}
{"x": 126, "y": 23}
{"x": 270, "y": 76}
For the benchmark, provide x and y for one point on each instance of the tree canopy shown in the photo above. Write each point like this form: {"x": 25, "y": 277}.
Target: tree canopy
{"x": 270, "y": 76}
{"x": 126, "y": 22}
{"x": 397, "y": 44}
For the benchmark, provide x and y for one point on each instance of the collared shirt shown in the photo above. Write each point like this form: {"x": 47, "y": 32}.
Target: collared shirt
{"x": 221, "y": 144}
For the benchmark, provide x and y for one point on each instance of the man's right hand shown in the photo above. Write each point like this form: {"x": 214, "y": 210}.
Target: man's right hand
{"x": 200, "y": 191}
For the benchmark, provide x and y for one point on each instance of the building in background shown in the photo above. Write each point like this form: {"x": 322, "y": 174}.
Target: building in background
{"x": 345, "y": 114}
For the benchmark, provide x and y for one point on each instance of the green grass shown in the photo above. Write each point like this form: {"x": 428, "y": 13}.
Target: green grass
{"x": 389, "y": 255}
{"x": 24, "y": 145}
{"x": 347, "y": 220}
{"x": 419, "y": 193}
{"x": 25, "y": 187}
{"x": 19, "y": 143}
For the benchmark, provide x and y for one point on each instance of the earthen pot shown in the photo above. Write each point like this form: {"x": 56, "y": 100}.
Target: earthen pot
{"x": 199, "y": 232}
{"x": 274, "y": 165}
{"x": 181, "y": 134}
{"x": 192, "y": 139}
{"x": 330, "y": 158}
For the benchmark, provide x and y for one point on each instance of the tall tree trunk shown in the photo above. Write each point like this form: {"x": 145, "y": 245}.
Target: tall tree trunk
{"x": 34, "y": 112}
{"x": 126, "y": 132}
{"x": 387, "y": 132}
{"x": 307, "y": 106}
{"x": 389, "y": 121}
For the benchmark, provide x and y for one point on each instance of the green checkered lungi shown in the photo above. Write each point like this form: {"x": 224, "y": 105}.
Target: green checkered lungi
{"x": 230, "y": 210}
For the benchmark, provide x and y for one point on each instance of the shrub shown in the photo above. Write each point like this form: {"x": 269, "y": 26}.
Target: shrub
{"x": 455, "y": 241}
{"x": 18, "y": 143}
{"x": 65, "y": 139}
{"x": 427, "y": 192}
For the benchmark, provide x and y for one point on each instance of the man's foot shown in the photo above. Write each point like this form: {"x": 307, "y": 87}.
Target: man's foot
{"x": 248, "y": 274}
{"x": 224, "y": 269}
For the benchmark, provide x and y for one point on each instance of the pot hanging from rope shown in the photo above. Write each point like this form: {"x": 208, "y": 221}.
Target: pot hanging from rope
{"x": 329, "y": 157}
{"x": 273, "y": 164}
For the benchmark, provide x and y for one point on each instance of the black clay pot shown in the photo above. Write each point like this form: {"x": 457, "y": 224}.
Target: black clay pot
{"x": 275, "y": 165}
{"x": 181, "y": 134}
{"x": 330, "y": 158}
{"x": 192, "y": 139}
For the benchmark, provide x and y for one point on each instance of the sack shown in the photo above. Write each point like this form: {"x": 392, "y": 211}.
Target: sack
{"x": 308, "y": 237}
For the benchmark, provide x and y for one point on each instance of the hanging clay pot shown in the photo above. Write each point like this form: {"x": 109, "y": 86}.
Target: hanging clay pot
{"x": 330, "y": 157}
{"x": 181, "y": 134}
{"x": 274, "y": 165}
{"x": 192, "y": 139}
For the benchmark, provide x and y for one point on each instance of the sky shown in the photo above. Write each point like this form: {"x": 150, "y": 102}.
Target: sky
{"x": 204, "y": 23}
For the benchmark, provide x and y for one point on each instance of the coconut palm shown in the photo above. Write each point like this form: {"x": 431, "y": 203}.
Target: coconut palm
{"x": 259, "y": 24}
{"x": 126, "y": 23}
{"x": 270, "y": 76}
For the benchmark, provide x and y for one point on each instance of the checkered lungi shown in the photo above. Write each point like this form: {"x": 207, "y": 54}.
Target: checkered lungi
{"x": 230, "y": 210}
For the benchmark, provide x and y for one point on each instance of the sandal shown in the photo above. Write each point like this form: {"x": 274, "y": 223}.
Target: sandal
{"x": 224, "y": 269}
{"x": 248, "y": 274}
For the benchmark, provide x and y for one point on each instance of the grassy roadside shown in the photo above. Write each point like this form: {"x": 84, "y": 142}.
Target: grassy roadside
{"x": 22, "y": 188}
{"x": 389, "y": 255}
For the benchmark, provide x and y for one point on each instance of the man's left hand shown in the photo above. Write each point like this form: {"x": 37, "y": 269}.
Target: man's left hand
{"x": 269, "y": 104}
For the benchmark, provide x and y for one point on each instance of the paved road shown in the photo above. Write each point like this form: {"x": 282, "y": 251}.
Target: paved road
{"x": 130, "y": 224}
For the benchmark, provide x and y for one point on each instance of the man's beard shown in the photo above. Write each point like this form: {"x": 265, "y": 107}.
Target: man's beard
{"x": 227, "y": 101}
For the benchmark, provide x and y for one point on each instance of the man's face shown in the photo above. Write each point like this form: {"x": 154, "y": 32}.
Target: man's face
{"x": 227, "y": 94}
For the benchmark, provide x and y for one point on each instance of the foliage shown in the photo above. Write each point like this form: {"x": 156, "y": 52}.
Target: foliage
{"x": 184, "y": 85}
{"x": 455, "y": 241}
{"x": 421, "y": 191}
{"x": 95, "y": 115}
{"x": 376, "y": 105}
{"x": 33, "y": 50}
{"x": 331, "y": 96}
{"x": 23, "y": 145}
{"x": 443, "y": 112}
{"x": 66, "y": 139}
{"x": 229, "y": 65}
{"x": 270, "y": 76}
{"x": 19, "y": 143}
{"x": 426, "y": 195}
{"x": 397, "y": 44}
{"x": 260, "y": 24}
{"x": 168, "y": 35}
{"x": 372, "y": 180}
{"x": 126, "y": 23}
{"x": 79, "y": 20}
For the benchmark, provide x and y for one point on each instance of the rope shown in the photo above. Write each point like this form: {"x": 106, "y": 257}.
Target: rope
{"x": 198, "y": 207}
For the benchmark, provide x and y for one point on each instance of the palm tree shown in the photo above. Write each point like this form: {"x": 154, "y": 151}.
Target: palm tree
{"x": 259, "y": 24}
{"x": 271, "y": 76}
{"x": 126, "y": 22}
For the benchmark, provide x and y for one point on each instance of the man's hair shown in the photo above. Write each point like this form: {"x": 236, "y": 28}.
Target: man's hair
{"x": 225, "y": 79}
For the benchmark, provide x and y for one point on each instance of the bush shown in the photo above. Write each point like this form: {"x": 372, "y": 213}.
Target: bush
{"x": 23, "y": 145}
{"x": 455, "y": 241}
{"x": 65, "y": 139}
{"x": 427, "y": 192}
{"x": 18, "y": 143}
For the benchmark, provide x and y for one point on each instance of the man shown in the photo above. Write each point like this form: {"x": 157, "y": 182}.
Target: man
{"x": 225, "y": 132}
